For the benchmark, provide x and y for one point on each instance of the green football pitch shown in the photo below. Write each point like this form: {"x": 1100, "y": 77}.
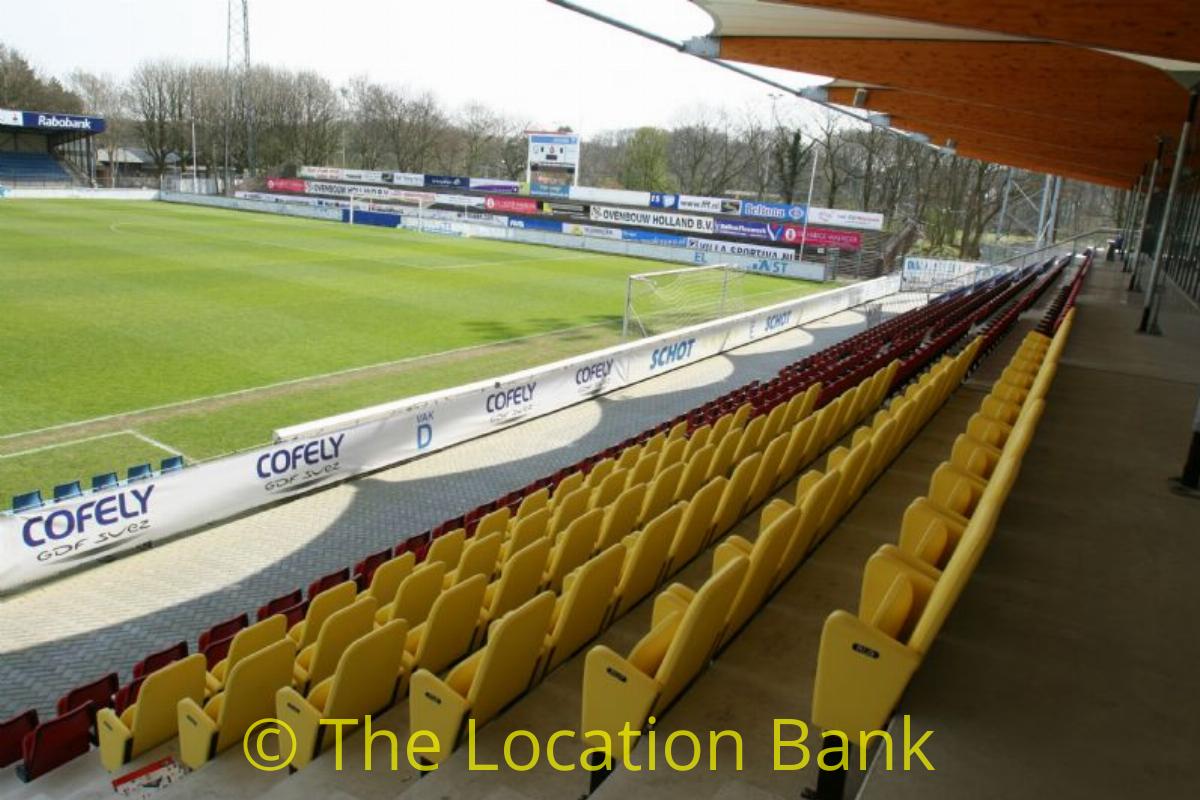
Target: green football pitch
{"x": 135, "y": 330}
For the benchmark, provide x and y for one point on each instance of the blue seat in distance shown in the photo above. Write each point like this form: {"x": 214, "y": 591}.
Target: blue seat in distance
{"x": 67, "y": 491}
{"x": 27, "y": 501}
{"x": 106, "y": 481}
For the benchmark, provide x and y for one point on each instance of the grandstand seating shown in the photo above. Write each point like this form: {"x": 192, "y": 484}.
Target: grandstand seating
{"x": 37, "y": 168}
{"x": 456, "y": 610}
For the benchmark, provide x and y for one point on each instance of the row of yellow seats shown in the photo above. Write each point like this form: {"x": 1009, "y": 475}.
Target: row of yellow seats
{"x": 867, "y": 659}
{"x": 688, "y": 627}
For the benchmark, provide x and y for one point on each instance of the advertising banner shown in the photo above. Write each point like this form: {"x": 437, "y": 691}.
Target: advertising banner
{"x": 287, "y": 185}
{"x": 652, "y": 219}
{"x": 459, "y": 200}
{"x": 864, "y": 220}
{"x": 52, "y": 122}
{"x": 406, "y": 179}
{"x": 621, "y": 197}
{"x": 782, "y": 212}
{"x": 708, "y": 205}
{"x": 660, "y": 200}
{"x": 558, "y": 149}
{"x": 451, "y": 181}
{"x": 535, "y": 224}
{"x": 495, "y": 185}
{"x": 925, "y": 272}
{"x": 359, "y": 191}
{"x": 741, "y": 249}
{"x": 654, "y": 237}
{"x": 794, "y": 235}
{"x": 512, "y": 205}
{"x": 592, "y": 231}
{"x": 11, "y": 117}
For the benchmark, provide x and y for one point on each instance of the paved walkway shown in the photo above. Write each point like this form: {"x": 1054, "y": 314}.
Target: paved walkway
{"x": 56, "y": 636}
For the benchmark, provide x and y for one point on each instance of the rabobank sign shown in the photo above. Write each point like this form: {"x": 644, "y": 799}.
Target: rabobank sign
{"x": 672, "y": 353}
{"x": 126, "y": 509}
{"x": 784, "y": 212}
{"x": 62, "y": 122}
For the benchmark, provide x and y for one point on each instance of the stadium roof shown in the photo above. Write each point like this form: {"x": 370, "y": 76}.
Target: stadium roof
{"x": 1083, "y": 89}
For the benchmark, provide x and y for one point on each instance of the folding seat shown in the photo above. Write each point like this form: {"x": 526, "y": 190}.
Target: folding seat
{"x": 364, "y": 571}
{"x": 953, "y": 489}
{"x": 773, "y": 425}
{"x": 568, "y": 510}
{"x": 629, "y": 456}
{"x": 534, "y": 501}
{"x": 720, "y": 428}
{"x": 678, "y": 431}
{"x": 217, "y": 651}
{"x": 764, "y": 556}
{"x": 139, "y": 472}
{"x": 621, "y": 517}
{"x": 152, "y": 720}
{"x": 13, "y": 731}
{"x": 415, "y": 595}
{"x": 160, "y": 659}
{"x": 417, "y": 544}
{"x": 564, "y": 487}
{"x": 654, "y": 444}
{"x": 53, "y": 743}
{"x": 249, "y": 696}
{"x": 722, "y": 460}
{"x": 696, "y": 525}
{"x": 519, "y": 580}
{"x": 98, "y": 692}
{"x": 328, "y": 581}
{"x": 447, "y": 633}
{"x": 386, "y": 578}
{"x": 700, "y": 438}
{"x": 127, "y": 695}
{"x": 646, "y": 554}
{"x": 749, "y": 443}
{"x": 68, "y": 491}
{"x": 695, "y": 472}
{"x": 572, "y": 547}
{"x": 367, "y": 681}
{"x": 243, "y": 644}
{"x": 608, "y": 489}
{"x": 815, "y": 495}
{"x": 484, "y": 683}
{"x": 1000, "y": 410}
{"x": 742, "y": 415}
{"x": 977, "y": 458}
{"x": 685, "y": 630}
{"x": 768, "y": 474}
{"x": 526, "y": 531}
{"x": 582, "y": 608}
{"x": 643, "y": 470}
{"x": 331, "y": 600}
{"x": 493, "y": 522}
{"x": 480, "y": 557}
{"x": 671, "y": 454}
{"x": 599, "y": 471}
{"x": 318, "y": 661}
{"x": 222, "y": 630}
{"x": 660, "y": 493}
{"x": 1014, "y": 376}
{"x": 447, "y": 548}
{"x": 736, "y": 496}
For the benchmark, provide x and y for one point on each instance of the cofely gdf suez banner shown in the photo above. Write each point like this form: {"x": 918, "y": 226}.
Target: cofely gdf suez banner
{"x": 40, "y": 543}
{"x": 652, "y": 219}
{"x": 789, "y": 234}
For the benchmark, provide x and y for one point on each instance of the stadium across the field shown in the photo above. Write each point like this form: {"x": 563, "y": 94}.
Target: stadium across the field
{"x": 165, "y": 330}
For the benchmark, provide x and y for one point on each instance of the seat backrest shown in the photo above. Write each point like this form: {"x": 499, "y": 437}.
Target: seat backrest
{"x": 520, "y": 578}
{"x": 695, "y": 472}
{"x": 569, "y": 509}
{"x": 342, "y": 628}
{"x": 812, "y": 506}
{"x": 280, "y": 604}
{"x": 447, "y": 548}
{"x": 573, "y": 546}
{"x": 699, "y": 438}
{"x": 493, "y": 522}
{"x": 99, "y": 691}
{"x": 55, "y": 742}
{"x": 699, "y": 631}
{"x": 794, "y": 457}
{"x": 737, "y": 494}
{"x": 646, "y": 559}
{"x": 950, "y": 488}
{"x": 328, "y": 581}
{"x": 655, "y": 443}
{"x": 672, "y": 453}
{"x": 767, "y": 476}
{"x": 389, "y": 575}
{"x": 14, "y": 730}
{"x": 533, "y": 501}
{"x": 774, "y": 424}
{"x": 629, "y": 456}
{"x": 584, "y": 604}
{"x": 722, "y": 460}
{"x": 599, "y": 471}
{"x": 513, "y": 650}
{"x": 661, "y": 492}
{"x": 643, "y": 470}
{"x": 528, "y": 530}
{"x": 751, "y": 439}
{"x": 567, "y": 485}
{"x": 223, "y": 630}
{"x": 250, "y": 640}
{"x": 249, "y": 693}
{"x": 765, "y": 558}
{"x": 479, "y": 558}
{"x": 607, "y": 489}
{"x": 154, "y": 716}
{"x": 892, "y": 613}
{"x": 366, "y": 677}
{"x": 696, "y": 524}
{"x": 721, "y": 427}
{"x": 451, "y": 625}
{"x": 160, "y": 659}
{"x": 417, "y": 593}
{"x": 322, "y": 607}
{"x": 621, "y": 516}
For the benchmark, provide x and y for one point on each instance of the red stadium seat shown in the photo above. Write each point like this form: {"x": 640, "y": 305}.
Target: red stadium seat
{"x": 279, "y": 604}
{"x": 13, "y": 732}
{"x": 127, "y": 695}
{"x": 328, "y": 581}
{"x": 54, "y": 743}
{"x": 365, "y": 570}
{"x": 223, "y": 630}
{"x": 99, "y": 693}
{"x": 215, "y": 651}
{"x": 160, "y": 659}
{"x": 295, "y": 613}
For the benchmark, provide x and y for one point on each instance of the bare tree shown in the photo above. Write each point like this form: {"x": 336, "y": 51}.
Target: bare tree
{"x": 158, "y": 97}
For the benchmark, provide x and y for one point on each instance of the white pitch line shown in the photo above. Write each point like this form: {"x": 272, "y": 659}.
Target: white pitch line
{"x": 290, "y": 382}
{"x": 156, "y": 443}
{"x": 44, "y": 448}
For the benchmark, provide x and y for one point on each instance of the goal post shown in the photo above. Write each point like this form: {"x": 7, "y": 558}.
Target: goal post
{"x": 667, "y": 299}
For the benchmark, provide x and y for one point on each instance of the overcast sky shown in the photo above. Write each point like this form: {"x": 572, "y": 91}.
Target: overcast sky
{"x": 545, "y": 64}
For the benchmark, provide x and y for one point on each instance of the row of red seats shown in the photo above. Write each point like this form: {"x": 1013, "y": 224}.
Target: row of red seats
{"x": 839, "y": 366}
{"x": 1065, "y": 299}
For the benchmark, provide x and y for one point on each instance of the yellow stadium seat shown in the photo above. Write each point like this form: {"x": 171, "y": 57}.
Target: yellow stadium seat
{"x": 742, "y": 415}
{"x": 654, "y": 444}
{"x": 304, "y": 632}
{"x": 317, "y": 662}
{"x": 750, "y": 441}
{"x": 484, "y": 683}
{"x": 519, "y": 580}
{"x": 582, "y": 608}
{"x": 569, "y": 509}
{"x": 956, "y": 490}
{"x": 974, "y": 457}
{"x": 572, "y": 547}
{"x": 526, "y": 531}
{"x": 448, "y": 548}
{"x": 671, "y": 454}
{"x": 813, "y": 503}
{"x": 774, "y": 425}
{"x": 415, "y": 596}
{"x": 495, "y": 522}
{"x": 646, "y": 553}
{"x": 801, "y": 405}
{"x": 796, "y": 457}
{"x": 480, "y": 557}
{"x": 366, "y": 681}
{"x": 701, "y": 437}
{"x": 448, "y": 632}
{"x": 661, "y": 492}
{"x": 696, "y": 525}
{"x": 621, "y": 517}
{"x": 695, "y": 472}
{"x": 629, "y": 456}
{"x": 534, "y": 501}
{"x": 567, "y": 485}
{"x": 722, "y": 460}
{"x": 735, "y": 498}
{"x": 767, "y": 477}
{"x": 678, "y": 431}
{"x": 721, "y": 428}
{"x": 246, "y": 642}
{"x": 643, "y": 470}
{"x": 153, "y": 719}
{"x": 249, "y": 696}
{"x": 684, "y": 632}
{"x": 607, "y": 490}
{"x": 764, "y": 559}
{"x": 599, "y": 471}
{"x": 387, "y": 578}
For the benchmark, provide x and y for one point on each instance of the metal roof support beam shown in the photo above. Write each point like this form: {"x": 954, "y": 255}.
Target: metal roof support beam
{"x": 1134, "y": 286}
{"x": 1153, "y": 291}
{"x": 1127, "y": 228}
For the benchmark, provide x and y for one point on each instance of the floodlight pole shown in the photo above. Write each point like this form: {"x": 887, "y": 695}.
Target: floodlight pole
{"x": 1004, "y": 203}
{"x": 1150, "y": 308}
{"x": 812, "y": 180}
{"x": 1041, "y": 227}
{"x": 1134, "y": 286}
{"x": 195, "y": 174}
